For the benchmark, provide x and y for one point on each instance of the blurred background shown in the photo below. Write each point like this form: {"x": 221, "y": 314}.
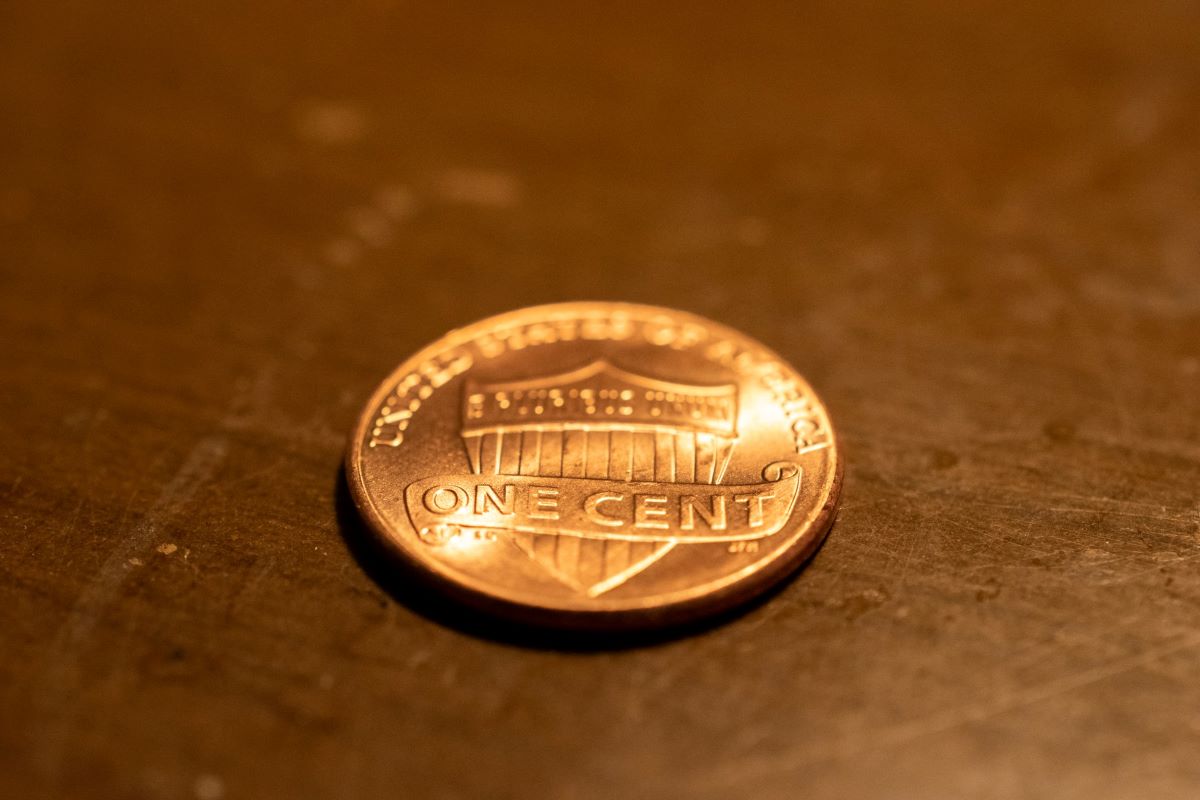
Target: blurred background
{"x": 975, "y": 227}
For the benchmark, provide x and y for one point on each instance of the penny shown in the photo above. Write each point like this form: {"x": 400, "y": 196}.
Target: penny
{"x": 599, "y": 465}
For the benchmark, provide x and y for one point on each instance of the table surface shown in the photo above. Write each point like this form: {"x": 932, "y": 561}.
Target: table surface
{"x": 974, "y": 227}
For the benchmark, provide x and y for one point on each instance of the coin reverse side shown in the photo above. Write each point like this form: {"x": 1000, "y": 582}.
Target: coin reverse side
{"x": 597, "y": 465}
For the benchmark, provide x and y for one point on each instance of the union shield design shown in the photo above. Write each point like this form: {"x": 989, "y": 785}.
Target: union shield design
{"x": 598, "y": 473}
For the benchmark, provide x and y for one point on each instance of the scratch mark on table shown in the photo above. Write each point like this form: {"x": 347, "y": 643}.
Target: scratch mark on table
{"x": 943, "y": 721}
{"x": 197, "y": 469}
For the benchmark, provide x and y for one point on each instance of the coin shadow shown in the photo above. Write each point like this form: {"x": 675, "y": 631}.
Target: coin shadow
{"x": 407, "y": 586}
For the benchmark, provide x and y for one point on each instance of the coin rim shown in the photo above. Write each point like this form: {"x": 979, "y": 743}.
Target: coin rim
{"x": 668, "y": 609}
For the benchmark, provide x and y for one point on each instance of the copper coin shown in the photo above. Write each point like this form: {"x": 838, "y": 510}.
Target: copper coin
{"x": 598, "y": 465}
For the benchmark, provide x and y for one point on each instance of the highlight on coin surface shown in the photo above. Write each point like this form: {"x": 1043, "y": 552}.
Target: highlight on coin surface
{"x": 598, "y": 465}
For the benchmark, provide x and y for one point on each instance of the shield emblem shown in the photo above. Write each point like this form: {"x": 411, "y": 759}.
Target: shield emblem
{"x": 599, "y": 422}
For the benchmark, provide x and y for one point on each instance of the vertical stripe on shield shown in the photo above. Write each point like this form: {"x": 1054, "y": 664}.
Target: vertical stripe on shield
{"x": 610, "y": 452}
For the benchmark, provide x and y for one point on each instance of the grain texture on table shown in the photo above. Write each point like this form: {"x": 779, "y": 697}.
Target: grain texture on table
{"x": 975, "y": 228}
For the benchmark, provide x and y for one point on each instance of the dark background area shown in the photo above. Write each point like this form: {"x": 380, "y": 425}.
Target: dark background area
{"x": 975, "y": 227}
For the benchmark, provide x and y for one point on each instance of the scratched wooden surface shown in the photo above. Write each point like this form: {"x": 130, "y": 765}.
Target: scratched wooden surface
{"x": 976, "y": 228}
